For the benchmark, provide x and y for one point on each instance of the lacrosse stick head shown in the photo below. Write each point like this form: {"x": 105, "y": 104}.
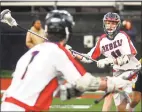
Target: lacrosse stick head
{"x": 6, "y": 17}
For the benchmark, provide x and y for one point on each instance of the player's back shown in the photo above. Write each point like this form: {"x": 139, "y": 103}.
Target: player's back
{"x": 34, "y": 72}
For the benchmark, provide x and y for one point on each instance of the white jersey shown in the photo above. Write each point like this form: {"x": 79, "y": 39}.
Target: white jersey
{"x": 120, "y": 45}
{"x": 34, "y": 79}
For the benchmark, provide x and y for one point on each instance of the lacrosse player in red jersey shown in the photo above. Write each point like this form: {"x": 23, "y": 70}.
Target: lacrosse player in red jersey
{"x": 120, "y": 52}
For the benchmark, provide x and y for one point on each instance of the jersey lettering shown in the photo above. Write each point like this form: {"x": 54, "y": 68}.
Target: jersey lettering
{"x": 113, "y": 45}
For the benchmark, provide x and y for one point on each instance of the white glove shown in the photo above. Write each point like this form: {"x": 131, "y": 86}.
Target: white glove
{"x": 122, "y": 60}
{"x": 85, "y": 59}
{"x": 102, "y": 62}
{"x": 126, "y": 59}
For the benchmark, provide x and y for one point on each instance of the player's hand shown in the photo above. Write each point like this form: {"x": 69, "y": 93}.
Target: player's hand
{"x": 126, "y": 59}
{"x": 103, "y": 62}
{"x": 67, "y": 91}
{"x": 122, "y": 60}
{"x": 72, "y": 91}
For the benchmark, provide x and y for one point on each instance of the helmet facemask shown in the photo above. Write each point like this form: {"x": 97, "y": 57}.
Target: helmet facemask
{"x": 111, "y": 24}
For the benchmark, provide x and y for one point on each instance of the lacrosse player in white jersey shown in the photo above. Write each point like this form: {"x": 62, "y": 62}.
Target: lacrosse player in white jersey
{"x": 35, "y": 77}
{"x": 119, "y": 51}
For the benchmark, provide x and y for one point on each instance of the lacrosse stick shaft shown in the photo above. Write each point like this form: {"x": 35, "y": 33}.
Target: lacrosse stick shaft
{"x": 99, "y": 100}
{"x": 83, "y": 55}
{"x": 31, "y": 32}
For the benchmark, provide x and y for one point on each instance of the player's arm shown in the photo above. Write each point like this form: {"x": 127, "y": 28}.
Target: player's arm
{"x": 94, "y": 53}
{"x": 72, "y": 71}
{"x": 29, "y": 42}
{"x": 129, "y": 47}
{"x": 76, "y": 75}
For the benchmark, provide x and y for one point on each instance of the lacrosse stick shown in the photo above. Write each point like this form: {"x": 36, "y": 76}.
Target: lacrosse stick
{"x": 8, "y": 19}
{"x": 88, "y": 57}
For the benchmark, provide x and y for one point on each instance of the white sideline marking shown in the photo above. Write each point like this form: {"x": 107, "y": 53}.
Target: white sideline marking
{"x": 81, "y": 106}
{"x": 71, "y": 106}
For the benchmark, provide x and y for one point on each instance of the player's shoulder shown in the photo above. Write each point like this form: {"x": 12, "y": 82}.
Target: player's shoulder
{"x": 62, "y": 52}
{"x": 62, "y": 49}
{"x": 123, "y": 34}
{"x": 102, "y": 37}
{"x": 51, "y": 48}
{"x": 56, "y": 48}
{"x": 45, "y": 47}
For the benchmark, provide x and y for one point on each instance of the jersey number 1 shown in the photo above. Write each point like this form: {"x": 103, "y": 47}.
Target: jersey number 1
{"x": 32, "y": 58}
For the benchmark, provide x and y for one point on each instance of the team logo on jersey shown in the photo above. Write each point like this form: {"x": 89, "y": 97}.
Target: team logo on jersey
{"x": 112, "y": 45}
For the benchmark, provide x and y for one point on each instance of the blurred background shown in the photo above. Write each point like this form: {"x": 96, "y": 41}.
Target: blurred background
{"x": 89, "y": 26}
